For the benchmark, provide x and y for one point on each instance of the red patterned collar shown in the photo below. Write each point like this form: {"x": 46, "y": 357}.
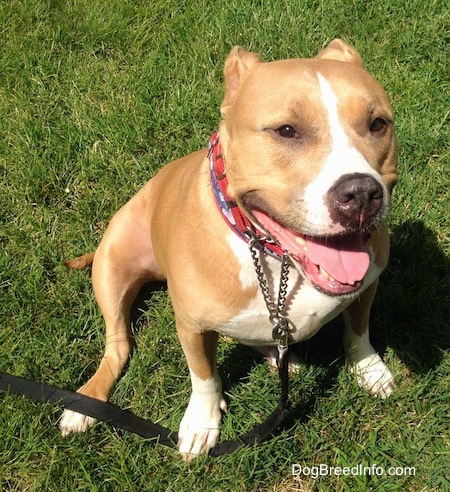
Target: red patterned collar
{"x": 229, "y": 209}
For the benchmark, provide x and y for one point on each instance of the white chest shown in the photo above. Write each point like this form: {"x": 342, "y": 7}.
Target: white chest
{"x": 307, "y": 308}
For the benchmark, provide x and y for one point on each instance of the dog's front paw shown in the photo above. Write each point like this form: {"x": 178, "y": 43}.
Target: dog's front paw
{"x": 72, "y": 422}
{"x": 373, "y": 375}
{"x": 199, "y": 428}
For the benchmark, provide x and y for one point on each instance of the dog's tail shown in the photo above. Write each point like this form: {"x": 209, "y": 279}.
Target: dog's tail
{"x": 80, "y": 262}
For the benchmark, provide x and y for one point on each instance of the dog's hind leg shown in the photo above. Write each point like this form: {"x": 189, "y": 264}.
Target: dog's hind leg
{"x": 122, "y": 264}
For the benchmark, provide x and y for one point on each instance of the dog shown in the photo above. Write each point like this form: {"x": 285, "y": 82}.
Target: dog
{"x": 298, "y": 178}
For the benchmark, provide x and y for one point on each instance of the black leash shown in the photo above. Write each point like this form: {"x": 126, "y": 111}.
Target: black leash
{"x": 265, "y": 430}
{"x": 128, "y": 421}
{"x": 100, "y": 410}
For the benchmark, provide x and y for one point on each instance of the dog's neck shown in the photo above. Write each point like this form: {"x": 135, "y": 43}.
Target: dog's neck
{"x": 229, "y": 209}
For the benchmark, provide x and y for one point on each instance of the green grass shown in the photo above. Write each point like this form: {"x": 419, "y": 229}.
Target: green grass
{"x": 95, "y": 96}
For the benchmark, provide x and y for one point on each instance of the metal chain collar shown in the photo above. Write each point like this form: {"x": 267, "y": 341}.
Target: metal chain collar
{"x": 280, "y": 322}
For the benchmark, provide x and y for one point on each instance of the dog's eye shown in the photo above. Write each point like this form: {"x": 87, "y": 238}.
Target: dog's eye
{"x": 287, "y": 131}
{"x": 378, "y": 125}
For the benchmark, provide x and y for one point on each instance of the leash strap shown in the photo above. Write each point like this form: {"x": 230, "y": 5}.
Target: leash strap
{"x": 100, "y": 410}
{"x": 265, "y": 430}
{"x": 128, "y": 421}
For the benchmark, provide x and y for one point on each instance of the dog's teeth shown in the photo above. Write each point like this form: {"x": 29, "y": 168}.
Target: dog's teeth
{"x": 301, "y": 241}
{"x": 326, "y": 275}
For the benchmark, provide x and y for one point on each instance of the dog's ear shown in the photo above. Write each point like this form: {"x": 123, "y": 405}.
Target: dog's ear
{"x": 238, "y": 65}
{"x": 340, "y": 50}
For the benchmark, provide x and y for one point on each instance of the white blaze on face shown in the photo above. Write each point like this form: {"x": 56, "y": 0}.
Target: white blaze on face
{"x": 342, "y": 159}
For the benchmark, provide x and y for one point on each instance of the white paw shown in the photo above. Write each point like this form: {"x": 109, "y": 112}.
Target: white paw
{"x": 72, "y": 422}
{"x": 373, "y": 375}
{"x": 199, "y": 428}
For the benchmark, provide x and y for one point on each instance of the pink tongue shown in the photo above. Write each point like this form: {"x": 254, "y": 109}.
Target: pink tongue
{"x": 344, "y": 257}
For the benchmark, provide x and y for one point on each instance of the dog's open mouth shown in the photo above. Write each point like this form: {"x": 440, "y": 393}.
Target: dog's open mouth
{"x": 335, "y": 265}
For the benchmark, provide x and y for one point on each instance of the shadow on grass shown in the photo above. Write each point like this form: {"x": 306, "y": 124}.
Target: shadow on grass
{"x": 412, "y": 308}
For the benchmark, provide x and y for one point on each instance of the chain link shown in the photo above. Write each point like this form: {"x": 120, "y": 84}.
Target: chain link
{"x": 262, "y": 280}
{"x": 281, "y": 323}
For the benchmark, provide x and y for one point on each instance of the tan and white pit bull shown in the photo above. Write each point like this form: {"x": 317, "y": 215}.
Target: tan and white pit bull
{"x": 310, "y": 154}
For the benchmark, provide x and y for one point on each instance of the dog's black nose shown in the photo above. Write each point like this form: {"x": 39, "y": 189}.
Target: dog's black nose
{"x": 354, "y": 200}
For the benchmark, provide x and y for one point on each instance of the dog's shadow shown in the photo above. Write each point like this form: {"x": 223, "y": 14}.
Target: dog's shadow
{"x": 412, "y": 308}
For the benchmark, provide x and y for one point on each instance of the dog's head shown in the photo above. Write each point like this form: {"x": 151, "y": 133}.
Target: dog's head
{"x": 311, "y": 157}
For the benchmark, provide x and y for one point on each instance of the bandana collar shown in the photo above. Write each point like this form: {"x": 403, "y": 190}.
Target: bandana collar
{"x": 229, "y": 209}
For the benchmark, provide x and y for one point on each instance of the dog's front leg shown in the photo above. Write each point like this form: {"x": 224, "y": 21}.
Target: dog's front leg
{"x": 371, "y": 372}
{"x": 199, "y": 428}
